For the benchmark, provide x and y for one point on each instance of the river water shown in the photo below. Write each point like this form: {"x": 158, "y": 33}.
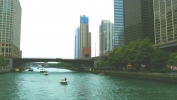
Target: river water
{"x": 81, "y": 86}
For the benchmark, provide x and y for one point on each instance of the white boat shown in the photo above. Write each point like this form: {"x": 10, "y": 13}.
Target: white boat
{"x": 42, "y": 70}
{"x": 63, "y": 81}
{"x": 45, "y": 73}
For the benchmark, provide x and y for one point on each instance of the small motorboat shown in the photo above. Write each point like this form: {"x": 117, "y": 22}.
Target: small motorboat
{"x": 30, "y": 69}
{"x": 45, "y": 73}
{"x": 42, "y": 70}
{"x": 64, "y": 81}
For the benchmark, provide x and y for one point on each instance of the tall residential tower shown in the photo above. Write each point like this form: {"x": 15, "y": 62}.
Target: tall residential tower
{"x": 85, "y": 38}
{"x": 106, "y": 37}
{"x": 10, "y": 28}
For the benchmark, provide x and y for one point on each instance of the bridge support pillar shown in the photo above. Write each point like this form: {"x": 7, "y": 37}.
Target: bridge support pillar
{"x": 45, "y": 64}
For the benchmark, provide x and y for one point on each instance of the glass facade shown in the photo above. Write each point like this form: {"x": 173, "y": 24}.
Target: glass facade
{"x": 165, "y": 19}
{"x": 118, "y": 24}
{"x": 138, "y": 20}
{"x": 84, "y": 19}
{"x": 106, "y": 37}
{"x": 77, "y": 41}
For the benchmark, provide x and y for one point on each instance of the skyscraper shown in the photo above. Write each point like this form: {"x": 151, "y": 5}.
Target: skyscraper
{"x": 106, "y": 37}
{"x": 77, "y": 43}
{"x": 165, "y": 23}
{"x": 85, "y": 38}
{"x": 10, "y": 28}
{"x": 138, "y": 20}
{"x": 118, "y": 24}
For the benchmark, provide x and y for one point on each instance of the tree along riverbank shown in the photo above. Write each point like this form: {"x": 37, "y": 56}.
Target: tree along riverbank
{"x": 161, "y": 77}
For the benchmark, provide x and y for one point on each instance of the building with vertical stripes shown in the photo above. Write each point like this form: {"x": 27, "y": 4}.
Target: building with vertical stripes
{"x": 10, "y": 28}
{"x": 138, "y": 20}
{"x": 77, "y": 43}
{"x": 165, "y": 24}
{"x": 118, "y": 24}
{"x": 106, "y": 37}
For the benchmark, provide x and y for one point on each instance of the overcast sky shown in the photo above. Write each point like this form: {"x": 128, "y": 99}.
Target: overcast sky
{"x": 48, "y": 26}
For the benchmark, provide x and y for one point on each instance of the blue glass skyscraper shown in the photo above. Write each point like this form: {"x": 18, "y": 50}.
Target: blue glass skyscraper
{"x": 77, "y": 43}
{"x": 118, "y": 37}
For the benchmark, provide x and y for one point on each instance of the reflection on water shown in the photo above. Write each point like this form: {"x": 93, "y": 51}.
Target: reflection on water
{"x": 82, "y": 86}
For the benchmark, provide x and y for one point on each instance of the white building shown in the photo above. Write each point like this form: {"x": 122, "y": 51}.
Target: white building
{"x": 106, "y": 37}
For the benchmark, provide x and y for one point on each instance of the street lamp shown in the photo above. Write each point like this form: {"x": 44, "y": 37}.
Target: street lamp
{"x": 95, "y": 49}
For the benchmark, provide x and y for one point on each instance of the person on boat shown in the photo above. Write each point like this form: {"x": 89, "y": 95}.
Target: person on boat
{"x": 65, "y": 79}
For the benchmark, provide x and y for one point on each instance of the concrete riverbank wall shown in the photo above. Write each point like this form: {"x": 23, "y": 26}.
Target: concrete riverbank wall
{"x": 5, "y": 71}
{"x": 161, "y": 77}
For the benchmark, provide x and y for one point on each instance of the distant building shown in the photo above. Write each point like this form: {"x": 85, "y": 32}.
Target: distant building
{"x": 138, "y": 20}
{"x": 77, "y": 43}
{"x": 10, "y": 28}
{"x": 106, "y": 37}
{"x": 118, "y": 36}
{"x": 85, "y": 38}
{"x": 165, "y": 24}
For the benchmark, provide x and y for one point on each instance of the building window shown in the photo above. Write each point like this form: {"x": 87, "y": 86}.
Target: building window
{"x": 6, "y": 49}
{"x": 86, "y": 55}
{"x": 2, "y": 49}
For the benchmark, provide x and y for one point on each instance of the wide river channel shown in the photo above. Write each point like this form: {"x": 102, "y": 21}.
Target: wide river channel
{"x": 81, "y": 86}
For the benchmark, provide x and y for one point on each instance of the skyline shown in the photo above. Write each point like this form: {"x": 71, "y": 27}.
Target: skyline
{"x": 46, "y": 25}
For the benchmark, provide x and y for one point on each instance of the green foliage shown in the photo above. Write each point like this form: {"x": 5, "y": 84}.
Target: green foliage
{"x": 140, "y": 52}
{"x": 115, "y": 57}
{"x": 165, "y": 70}
{"x": 146, "y": 50}
{"x": 2, "y": 61}
{"x": 160, "y": 70}
{"x": 136, "y": 52}
{"x": 160, "y": 59}
{"x": 103, "y": 65}
{"x": 173, "y": 59}
{"x": 153, "y": 70}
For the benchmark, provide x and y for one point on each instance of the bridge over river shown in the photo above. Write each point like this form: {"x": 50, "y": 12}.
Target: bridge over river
{"x": 15, "y": 62}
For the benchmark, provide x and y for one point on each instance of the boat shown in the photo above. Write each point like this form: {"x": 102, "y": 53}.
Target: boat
{"x": 45, "y": 73}
{"x": 64, "y": 82}
{"x": 42, "y": 70}
{"x": 30, "y": 69}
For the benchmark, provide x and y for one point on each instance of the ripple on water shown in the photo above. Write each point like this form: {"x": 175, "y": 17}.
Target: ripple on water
{"x": 81, "y": 86}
